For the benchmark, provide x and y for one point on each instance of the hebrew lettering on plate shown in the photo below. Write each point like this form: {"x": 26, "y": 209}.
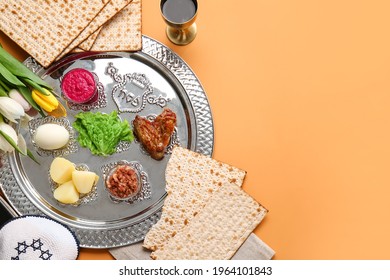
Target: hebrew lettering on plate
{"x": 133, "y": 91}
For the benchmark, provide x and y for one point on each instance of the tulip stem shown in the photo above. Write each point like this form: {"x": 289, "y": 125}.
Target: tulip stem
{"x": 3, "y": 91}
{"x": 30, "y": 155}
{"x": 3, "y": 84}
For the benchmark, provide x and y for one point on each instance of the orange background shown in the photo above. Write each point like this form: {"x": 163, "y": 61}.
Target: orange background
{"x": 300, "y": 96}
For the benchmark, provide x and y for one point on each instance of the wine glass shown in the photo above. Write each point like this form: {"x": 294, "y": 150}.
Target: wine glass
{"x": 180, "y": 16}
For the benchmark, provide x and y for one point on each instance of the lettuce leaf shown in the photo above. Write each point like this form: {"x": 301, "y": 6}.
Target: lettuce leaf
{"x": 101, "y": 132}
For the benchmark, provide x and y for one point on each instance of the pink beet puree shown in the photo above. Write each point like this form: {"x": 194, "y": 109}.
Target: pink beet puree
{"x": 79, "y": 86}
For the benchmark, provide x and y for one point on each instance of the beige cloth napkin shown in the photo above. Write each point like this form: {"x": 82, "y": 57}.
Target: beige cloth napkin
{"x": 252, "y": 249}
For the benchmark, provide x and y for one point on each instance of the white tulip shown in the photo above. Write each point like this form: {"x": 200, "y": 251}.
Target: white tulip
{"x": 7, "y": 129}
{"x": 18, "y": 97}
{"x": 10, "y": 109}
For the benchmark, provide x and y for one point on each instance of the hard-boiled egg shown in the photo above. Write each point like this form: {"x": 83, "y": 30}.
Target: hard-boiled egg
{"x": 51, "y": 136}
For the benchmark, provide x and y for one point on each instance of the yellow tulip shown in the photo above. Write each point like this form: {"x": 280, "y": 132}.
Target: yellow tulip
{"x": 46, "y": 102}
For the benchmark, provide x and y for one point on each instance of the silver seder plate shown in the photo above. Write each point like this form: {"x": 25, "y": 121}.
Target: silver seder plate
{"x": 143, "y": 83}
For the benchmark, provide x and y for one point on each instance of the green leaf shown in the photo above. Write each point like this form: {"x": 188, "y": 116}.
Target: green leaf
{"x": 19, "y": 69}
{"x": 26, "y": 93}
{"x": 13, "y": 144}
{"x": 3, "y": 92}
{"x": 30, "y": 155}
{"x": 9, "y": 77}
{"x": 35, "y": 86}
{"x": 100, "y": 132}
{"x": 4, "y": 85}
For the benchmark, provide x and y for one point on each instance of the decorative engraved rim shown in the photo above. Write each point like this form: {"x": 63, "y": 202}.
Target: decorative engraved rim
{"x": 110, "y": 238}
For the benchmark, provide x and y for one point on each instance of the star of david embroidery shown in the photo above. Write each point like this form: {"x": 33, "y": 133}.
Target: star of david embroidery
{"x": 35, "y": 245}
{"x": 45, "y": 255}
{"x": 21, "y": 247}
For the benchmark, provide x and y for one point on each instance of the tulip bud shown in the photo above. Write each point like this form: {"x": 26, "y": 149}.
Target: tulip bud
{"x": 46, "y": 102}
{"x": 15, "y": 95}
{"x": 7, "y": 129}
{"x": 10, "y": 109}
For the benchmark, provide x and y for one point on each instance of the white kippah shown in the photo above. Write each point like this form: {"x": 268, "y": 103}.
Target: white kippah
{"x": 37, "y": 238}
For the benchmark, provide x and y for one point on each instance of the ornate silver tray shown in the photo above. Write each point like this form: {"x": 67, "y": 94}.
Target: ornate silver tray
{"x": 143, "y": 83}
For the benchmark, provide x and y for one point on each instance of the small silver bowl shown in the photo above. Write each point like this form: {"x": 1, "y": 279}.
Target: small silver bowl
{"x": 143, "y": 188}
{"x": 70, "y": 148}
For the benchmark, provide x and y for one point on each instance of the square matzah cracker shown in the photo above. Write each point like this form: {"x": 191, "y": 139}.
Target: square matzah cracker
{"x": 191, "y": 179}
{"x": 77, "y": 50}
{"x": 86, "y": 45}
{"x": 219, "y": 229}
{"x": 111, "y": 9}
{"x": 122, "y": 32}
{"x": 45, "y": 28}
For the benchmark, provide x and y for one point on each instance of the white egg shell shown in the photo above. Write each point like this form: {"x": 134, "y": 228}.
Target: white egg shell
{"x": 51, "y": 136}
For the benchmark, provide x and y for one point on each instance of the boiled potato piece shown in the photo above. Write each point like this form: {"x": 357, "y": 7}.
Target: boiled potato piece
{"x": 61, "y": 170}
{"x": 96, "y": 179}
{"x": 83, "y": 180}
{"x": 66, "y": 193}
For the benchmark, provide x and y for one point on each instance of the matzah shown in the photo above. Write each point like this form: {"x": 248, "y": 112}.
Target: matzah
{"x": 45, "y": 28}
{"x": 86, "y": 45}
{"x": 122, "y": 32}
{"x": 110, "y": 10}
{"x": 219, "y": 229}
{"x": 191, "y": 179}
{"x": 77, "y": 50}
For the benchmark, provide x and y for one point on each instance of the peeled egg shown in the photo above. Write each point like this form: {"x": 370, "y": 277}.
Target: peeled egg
{"x": 51, "y": 136}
